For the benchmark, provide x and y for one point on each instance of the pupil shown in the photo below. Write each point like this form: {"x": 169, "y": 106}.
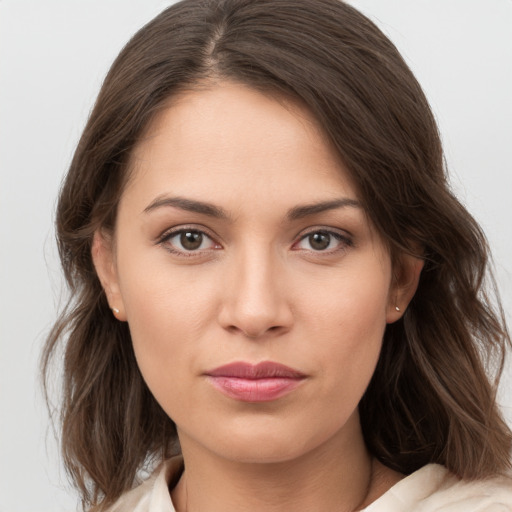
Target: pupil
{"x": 191, "y": 240}
{"x": 319, "y": 241}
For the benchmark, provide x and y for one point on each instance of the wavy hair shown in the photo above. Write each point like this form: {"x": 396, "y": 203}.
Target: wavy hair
{"x": 433, "y": 395}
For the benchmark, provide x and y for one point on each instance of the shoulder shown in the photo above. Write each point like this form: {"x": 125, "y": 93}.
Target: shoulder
{"x": 153, "y": 494}
{"x": 434, "y": 489}
{"x": 489, "y": 495}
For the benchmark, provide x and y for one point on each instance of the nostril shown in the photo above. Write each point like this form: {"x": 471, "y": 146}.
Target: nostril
{"x": 255, "y": 319}
{"x": 252, "y": 333}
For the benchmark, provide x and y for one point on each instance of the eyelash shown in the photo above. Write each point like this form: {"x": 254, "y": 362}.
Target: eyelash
{"x": 344, "y": 240}
{"x": 165, "y": 238}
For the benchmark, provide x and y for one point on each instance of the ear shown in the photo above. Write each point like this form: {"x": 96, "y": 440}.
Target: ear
{"x": 104, "y": 262}
{"x": 406, "y": 277}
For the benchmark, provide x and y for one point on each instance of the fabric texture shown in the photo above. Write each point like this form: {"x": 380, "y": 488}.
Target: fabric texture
{"x": 430, "y": 489}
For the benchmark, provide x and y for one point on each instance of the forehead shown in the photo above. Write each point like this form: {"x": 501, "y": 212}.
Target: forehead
{"x": 228, "y": 138}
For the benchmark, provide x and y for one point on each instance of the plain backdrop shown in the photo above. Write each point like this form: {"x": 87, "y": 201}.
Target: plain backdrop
{"x": 53, "y": 56}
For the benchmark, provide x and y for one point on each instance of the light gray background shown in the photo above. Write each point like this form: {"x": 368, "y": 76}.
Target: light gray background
{"x": 53, "y": 56}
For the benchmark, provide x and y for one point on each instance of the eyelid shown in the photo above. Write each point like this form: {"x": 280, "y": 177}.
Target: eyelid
{"x": 341, "y": 235}
{"x": 344, "y": 237}
{"x": 176, "y": 230}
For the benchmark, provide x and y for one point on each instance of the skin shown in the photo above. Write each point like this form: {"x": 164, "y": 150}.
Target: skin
{"x": 257, "y": 288}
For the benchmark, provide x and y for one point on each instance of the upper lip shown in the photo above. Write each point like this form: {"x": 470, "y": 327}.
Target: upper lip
{"x": 263, "y": 370}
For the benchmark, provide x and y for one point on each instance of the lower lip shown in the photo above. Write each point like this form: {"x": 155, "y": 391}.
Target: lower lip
{"x": 254, "y": 390}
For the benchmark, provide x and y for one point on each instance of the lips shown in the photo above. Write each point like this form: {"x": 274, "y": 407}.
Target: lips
{"x": 262, "y": 382}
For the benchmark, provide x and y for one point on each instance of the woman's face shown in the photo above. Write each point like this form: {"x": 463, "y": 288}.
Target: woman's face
{"x": 240, "y": 240}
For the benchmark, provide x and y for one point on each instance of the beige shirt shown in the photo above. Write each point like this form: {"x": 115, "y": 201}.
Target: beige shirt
{"x": 430, "y": 489}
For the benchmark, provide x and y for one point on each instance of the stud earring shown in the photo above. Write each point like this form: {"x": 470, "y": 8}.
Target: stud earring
{"x": 116, "y": 311}
{"x": 397, "y": 308}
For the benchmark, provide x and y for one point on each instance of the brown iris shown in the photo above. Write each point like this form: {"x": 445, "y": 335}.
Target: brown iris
{"x": 319, "y": 241}
{"x": 191, "y": 240}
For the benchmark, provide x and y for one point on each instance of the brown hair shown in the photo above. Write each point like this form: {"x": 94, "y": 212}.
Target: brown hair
{"x": 430, "y": 399}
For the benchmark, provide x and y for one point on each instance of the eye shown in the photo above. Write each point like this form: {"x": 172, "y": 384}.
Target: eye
{"x": 188, "y": 240}
{"x": 323, "y": 241}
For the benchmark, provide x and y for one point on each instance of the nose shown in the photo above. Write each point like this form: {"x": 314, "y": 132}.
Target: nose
{"x": 255, "y": 301}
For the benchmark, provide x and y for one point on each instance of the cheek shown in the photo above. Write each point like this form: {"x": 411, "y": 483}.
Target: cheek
{"x": 348, "y": 319}
{"x": 352, "y": 303}
{"x": 161, "y": 296}
{"x": 167, "y": 312}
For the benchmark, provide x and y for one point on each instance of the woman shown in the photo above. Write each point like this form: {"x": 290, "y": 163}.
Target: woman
{"x": 274, "y": 291}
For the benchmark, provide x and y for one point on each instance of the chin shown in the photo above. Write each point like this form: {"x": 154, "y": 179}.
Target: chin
{"x": 266, "y": 451}
{"x": 265, "y": 442}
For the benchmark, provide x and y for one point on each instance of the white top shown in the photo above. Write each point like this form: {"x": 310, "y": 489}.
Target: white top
{"x": 430, "y": 489}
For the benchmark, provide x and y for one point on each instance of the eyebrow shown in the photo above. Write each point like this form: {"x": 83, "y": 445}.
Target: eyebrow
{"x": 204, "y": 208}
{"x": 300, "y": 212}
{"x": 189, "y": 205}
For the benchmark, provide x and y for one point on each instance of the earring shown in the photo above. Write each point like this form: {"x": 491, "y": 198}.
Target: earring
{"x": 115, "y": 311}
{"x": 397, "y": 308}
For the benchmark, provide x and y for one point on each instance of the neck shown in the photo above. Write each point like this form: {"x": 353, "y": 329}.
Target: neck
{"x": 336, "y": 476}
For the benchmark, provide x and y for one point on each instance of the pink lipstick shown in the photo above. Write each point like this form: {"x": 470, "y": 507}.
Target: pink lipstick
{"x": 262, "y": 382}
